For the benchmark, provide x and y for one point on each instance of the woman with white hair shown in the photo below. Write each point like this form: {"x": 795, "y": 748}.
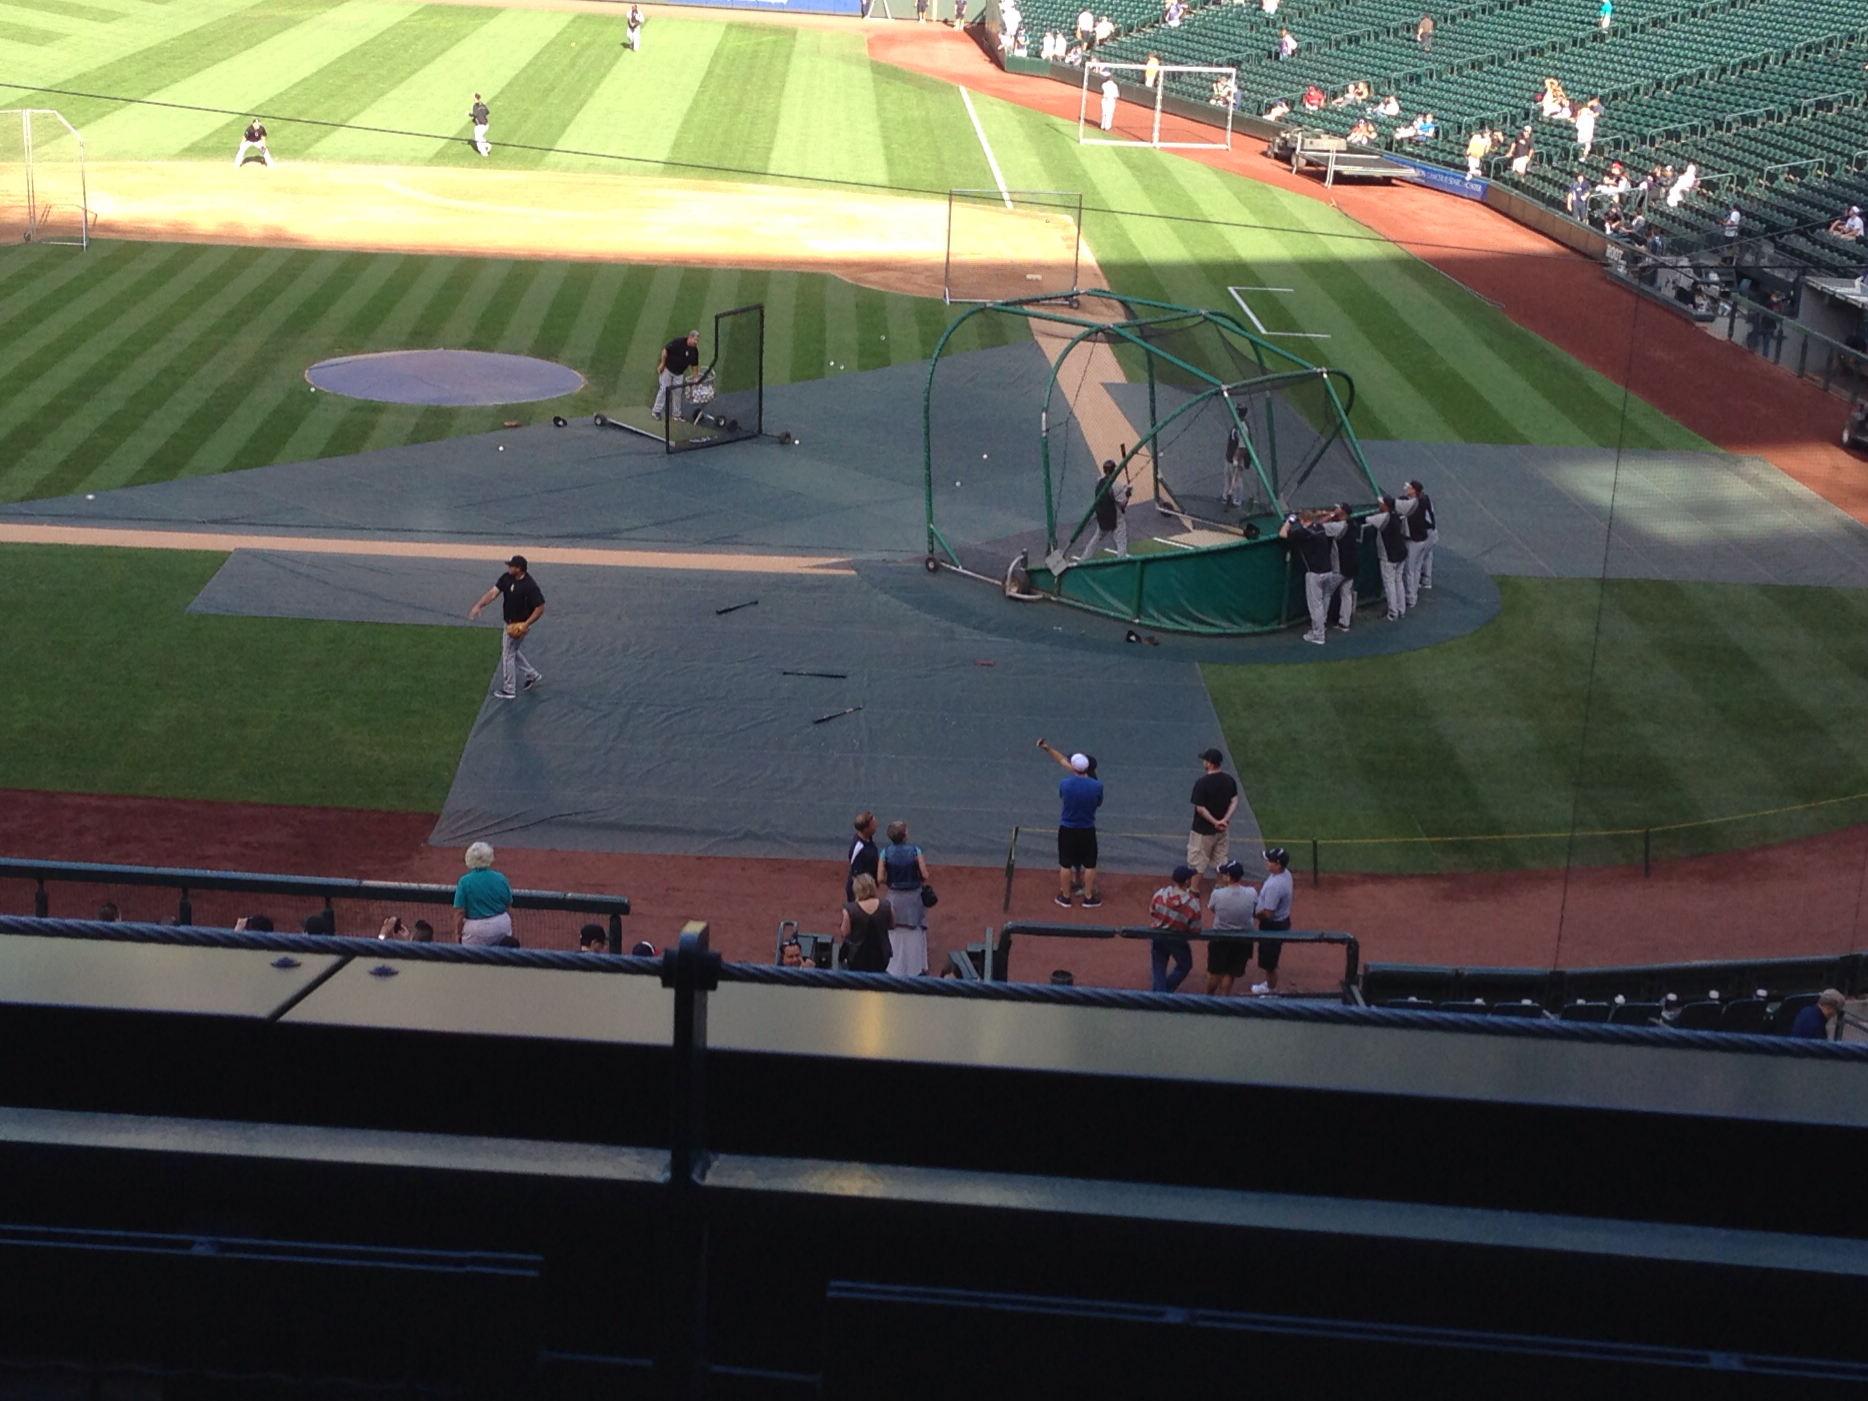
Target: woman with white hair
{"x": 482, "y": 902}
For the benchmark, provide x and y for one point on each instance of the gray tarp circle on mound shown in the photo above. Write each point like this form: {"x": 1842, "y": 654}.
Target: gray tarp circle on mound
{"x": 445, "y": 378}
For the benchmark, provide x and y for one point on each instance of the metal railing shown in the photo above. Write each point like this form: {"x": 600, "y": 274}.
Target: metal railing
{"x": 186, "y": 883}
{"x": 1032, "y": 929}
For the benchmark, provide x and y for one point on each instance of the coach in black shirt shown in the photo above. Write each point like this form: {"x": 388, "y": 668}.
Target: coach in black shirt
{"x": 680, "y": 359}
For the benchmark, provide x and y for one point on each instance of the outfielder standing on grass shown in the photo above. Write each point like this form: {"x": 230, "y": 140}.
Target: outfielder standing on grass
{"x": 524, "y": 606}
{"x": 479, "y": 116}
{"x": 633, "y": 39}
{"x": 254, "y": 139}
{"x": 680, "y": 360}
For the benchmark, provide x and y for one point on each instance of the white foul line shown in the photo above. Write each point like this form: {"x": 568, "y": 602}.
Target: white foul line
{"x": 986, "y": 146}
{"x": 1259, "y": 326}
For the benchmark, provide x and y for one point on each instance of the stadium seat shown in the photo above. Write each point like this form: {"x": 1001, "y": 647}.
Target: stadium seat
{"x": 1746, "y": 1014}
{"x": 1701, "y": 1016}
{"x": 1635, "y": 1014}
{"x": 1585, "y": 1012}
{"x": 1470, "y": 1005}
{"x": 1787, "y": 1010}
{"x": 1518, "y": 1009}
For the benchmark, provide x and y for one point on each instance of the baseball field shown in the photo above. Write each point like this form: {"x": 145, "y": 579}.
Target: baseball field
{"x": 738, "y": 160}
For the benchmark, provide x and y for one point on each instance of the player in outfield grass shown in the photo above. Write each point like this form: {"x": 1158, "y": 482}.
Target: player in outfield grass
{"x": 480, "y": 117}
{"x": 253, "y": 139}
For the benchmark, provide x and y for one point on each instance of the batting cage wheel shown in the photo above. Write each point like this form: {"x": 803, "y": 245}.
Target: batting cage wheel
{"x": 933, "y": 565}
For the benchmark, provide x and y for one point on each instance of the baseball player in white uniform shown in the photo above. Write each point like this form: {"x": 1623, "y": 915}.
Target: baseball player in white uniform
{"x": 634, "y": 37}
{"x": 253, "y": 139}
{"x": 1110, "y": 93}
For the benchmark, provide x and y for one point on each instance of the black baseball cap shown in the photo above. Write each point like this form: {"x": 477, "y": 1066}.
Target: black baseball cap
{"x": 516, "y": 562}
{"x": 1278, "y": 855}
{"x": 1212, "y": 756}
{"x": 1233, "y": 869}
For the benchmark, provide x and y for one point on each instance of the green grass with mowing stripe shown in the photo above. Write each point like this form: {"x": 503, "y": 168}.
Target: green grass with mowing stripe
{"x": 115, "y": 688}
{"x": 1708, "y": 701}
{"x": 139, "y": 363}
{"x": 711, "y": 96}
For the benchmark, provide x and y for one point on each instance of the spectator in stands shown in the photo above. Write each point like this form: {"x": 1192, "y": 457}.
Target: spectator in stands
{"x": 1225, "y": 92}
{"x": 108, "y": 913}
{"x": 1355, "y": 93}
{"x": 1423, "y": 34}
{"x": 392, "y": 927}
{"x": 1151, "y": 71}
{"x": 1173, "y": 13}
{"x": 1086, "y": 26}
{"x": 1586, "y": 118}
{"x": 1274, "y": 917}
{"x": 1849, "y": 226}
{"x": 323, "y": 922}
{"x": 864, "y": 853}
{"x": 1728, "y": 230}
{"x": 593, "y": 938}
{"x": 1478, "y": 147}
{"x": 1313, "y": 98}
{"x": 1278, "y": 111}
{"x": 1363, "y": 133}
{"x": 482, "y": 902}
{"x": 1389, "y": 106}
{"x": 642, "y": 948}
{"x": 1822, "y": 1019}
{"x": 791, "y": 953}
{"x": 906, "y": 871}
{"x": 866, "y": 924}
{"x": 1576, "y": 202}
{"x": 1422, "y": 128}
{"x": 1074, "y": 55}
{"x": 1234, "y": 904}
{"x": 1287, "y": 45}
{"x": 1105, "y": 31}
{"x": 1175, "y": 911}
{"x": 1270, "y": 7}
{"x": 1682, "y": 186}
{"x": 424, "y": 932}
{"x": 1605, "y": 14}
{"x": 1008, "y": 25}
{"x": 1520, "y": 152}
{"x": 253, "y": 924}
{"x": 1552, "y": 100}
{"x": 1614, "y": 184}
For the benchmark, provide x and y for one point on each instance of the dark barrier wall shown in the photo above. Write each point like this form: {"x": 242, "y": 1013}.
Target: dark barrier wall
{"x": 639, "y": 1177}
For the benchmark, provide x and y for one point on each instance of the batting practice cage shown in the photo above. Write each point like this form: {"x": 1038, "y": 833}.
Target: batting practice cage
{"x": 43, "y": 197}
{"x": 725, "y": 403}
{"x": 1214, "y": 433}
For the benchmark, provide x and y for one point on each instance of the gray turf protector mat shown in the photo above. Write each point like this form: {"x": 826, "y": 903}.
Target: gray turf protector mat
{"x": 665, "y": 726}
{"x": 853, "y": 484}
{"x": 1694, "y": 516}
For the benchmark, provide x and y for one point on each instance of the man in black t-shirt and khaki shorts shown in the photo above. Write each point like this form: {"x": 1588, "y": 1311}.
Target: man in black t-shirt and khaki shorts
{"x": 680, "y": 362}
{"x": 1215, "y": 799}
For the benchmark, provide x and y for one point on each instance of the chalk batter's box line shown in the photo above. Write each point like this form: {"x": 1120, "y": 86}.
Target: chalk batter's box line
{"x": 1259, "y": 326}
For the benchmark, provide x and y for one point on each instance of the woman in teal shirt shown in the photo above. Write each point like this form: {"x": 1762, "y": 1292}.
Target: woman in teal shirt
{"x": 482, "y": 901}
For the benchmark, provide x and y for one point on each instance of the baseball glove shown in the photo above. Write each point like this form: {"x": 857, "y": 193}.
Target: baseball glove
{"x": 515, "y": 629}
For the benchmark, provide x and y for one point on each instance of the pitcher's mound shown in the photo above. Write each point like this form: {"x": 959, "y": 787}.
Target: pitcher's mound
{"x": 446, "y": 378}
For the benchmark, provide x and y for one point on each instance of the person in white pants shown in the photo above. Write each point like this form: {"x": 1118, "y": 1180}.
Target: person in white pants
{"x": 633, "y": 37}
{"x": 1391, "y": 549}
{"x": 1348, "y": 567}
{"x": 680, "y": 362}
{"x": 523, "y": 604}
{"x": 1310, "y": 535}
{"x": 1416, "y": 509}
{"x": 480, "y": 117}
{"x": 1110, "y": 94}
{"x": 254, "y": 139}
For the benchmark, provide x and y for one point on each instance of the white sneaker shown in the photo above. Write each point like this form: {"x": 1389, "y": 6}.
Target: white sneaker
{"x": 1262, "y": 990}
{"x": 1309, "y": 637}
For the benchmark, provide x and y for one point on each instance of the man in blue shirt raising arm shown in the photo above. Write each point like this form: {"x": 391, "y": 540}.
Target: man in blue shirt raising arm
{"x": 1079, "y": 796}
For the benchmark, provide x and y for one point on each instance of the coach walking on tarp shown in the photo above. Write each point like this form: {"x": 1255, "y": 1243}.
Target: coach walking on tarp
{"x": 680, "y": 360}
